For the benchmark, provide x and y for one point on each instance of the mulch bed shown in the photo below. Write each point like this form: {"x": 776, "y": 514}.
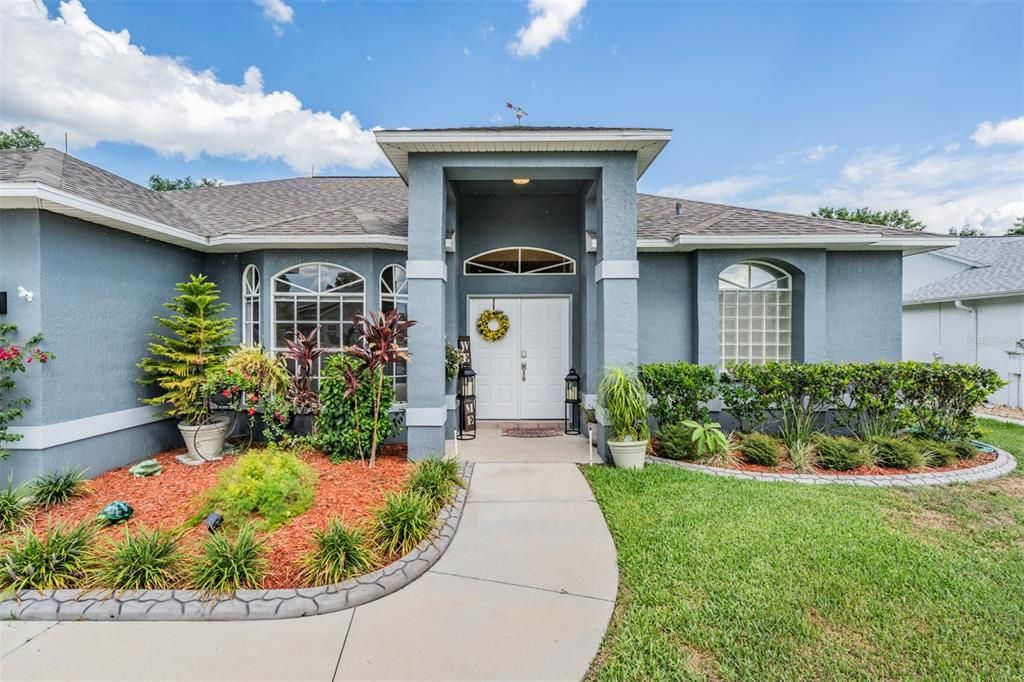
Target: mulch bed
{"x": 349, "y": 490}
{"x": 1002, "y": 411}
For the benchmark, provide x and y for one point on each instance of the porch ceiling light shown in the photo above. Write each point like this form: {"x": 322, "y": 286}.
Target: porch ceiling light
{"x": 521, "y": 181}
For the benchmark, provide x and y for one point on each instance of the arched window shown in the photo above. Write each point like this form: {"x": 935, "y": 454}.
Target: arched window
{"x": 317, "y": 293}
{"x": 755, "y": 307}
{"x": 251, "y": 306}
{"x": 394, "y": 295}
{"x": 519, "y": 260}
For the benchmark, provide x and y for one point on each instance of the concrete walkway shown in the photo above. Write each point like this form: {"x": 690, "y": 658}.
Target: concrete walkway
{"x": 524, "y": 591}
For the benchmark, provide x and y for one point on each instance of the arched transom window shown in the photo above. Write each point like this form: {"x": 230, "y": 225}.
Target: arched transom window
{"x": 519, "y": 260}
{"x": 394, "y": 295}
{"x": 755, "y": 305}
{"x": 317, "y": 293}
{"x": 251, "y": 306}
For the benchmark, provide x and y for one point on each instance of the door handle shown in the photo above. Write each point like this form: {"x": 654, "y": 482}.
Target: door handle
{"x": 523, "y": 368}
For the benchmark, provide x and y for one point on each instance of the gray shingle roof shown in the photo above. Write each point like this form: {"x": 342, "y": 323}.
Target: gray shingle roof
{"x": 1000, "y": 271}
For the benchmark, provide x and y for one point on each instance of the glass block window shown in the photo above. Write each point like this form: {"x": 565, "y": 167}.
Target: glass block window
{"x": 251, "y": 306}
{"x": 394, "y": 294}
{"x": 312, "y": 294}
{"x": 519, "y": 260}
{"x": 755, "y": 312}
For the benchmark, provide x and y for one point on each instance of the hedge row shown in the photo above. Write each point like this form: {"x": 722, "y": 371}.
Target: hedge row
{"x": 871, "y": 399}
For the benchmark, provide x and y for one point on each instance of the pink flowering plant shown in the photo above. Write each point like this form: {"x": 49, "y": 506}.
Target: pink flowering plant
{"x": 15, "y": 358}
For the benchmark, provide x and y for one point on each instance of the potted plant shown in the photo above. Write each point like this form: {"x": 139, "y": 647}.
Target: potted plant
{"x": 304, "y": 351}
{"x": 179, "y": 361}
{"x": 255, "y": 385}
{"x": 624, "y": 401}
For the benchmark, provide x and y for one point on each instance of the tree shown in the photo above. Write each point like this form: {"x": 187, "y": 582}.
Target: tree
{"x": 20, "y": 137}
{"x": 1017, "y": 230}
{"x": 178, "y": 363}
{"x": 900, "y": 219}
{"x": 967, "y": 231}
{"x": 162, "y": 184}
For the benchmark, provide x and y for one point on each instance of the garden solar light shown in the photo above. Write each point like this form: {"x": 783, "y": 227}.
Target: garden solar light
{"x": 213, "y": 521}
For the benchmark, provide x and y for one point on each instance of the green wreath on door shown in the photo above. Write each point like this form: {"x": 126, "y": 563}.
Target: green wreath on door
{"x": 493, "y": 325}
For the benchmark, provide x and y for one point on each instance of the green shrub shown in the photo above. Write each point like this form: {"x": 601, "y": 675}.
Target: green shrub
{"x": 841, "y": 454}
{"x": 936, "y": 453}
{"x": 870, "y": 404}
{"x": 675, "y": 441}
{"x": 940, "y": 399}
{"x": 713, "y": 447}
{"x": 679, "y": 390}
{"x": 964, "y": 449}
{"x": 14, "y": 506}
{"x": 56, "y": 560}
{"x": 432, "y": 479}
{"x": 345, "y": 424}
{"x": 895, "y": 453}
{"x": 266, "y": 487}
{"x": 58, "y": 487}
{"x": 227, "y": 564}
{"x": 144, "y": 560}
{"x": 338, "y": 553}
{"x": 403, "y": 521}
{"x": 758, "y": 448}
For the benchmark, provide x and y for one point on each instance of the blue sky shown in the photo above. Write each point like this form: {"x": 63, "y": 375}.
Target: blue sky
{"x": 774, "y": 104}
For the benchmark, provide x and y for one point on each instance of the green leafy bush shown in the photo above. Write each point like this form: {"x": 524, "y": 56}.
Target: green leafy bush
{"x": 266, "y": 487}
{"x": 841, "y": 454}
{"x": 868, "y": 398}
{"x": 940, "y": 399}
{"x": 56, "y": 560}
{"x": 936, "y": 453}
{"x": 452, "y": 361}
{"x": 758, "y": 448}
{"x": 58, "y": 487}
{"x": 679, "y": 390}
{"x": 403, "y": 521}
{"x": 964, "y": 449}
{"x": 14, "y": 506}
{"x": 675, "y": 441}
{"x": 143, "y": 560}
{"x": 433, "y": 480}
{"x": 230, "y": 563}
{"x": 711, "y": 444}
{"x": 338, "y": 553}
{"x": 895, "y": 453}
{"x": 345, "y": 424}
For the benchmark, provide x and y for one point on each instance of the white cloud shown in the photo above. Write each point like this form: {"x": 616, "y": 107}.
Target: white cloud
{"x": 819, "y": 152}
{"x": 1007, "y": 131}
{"x": 278, "y": 13}
{"x": 945, "y": 187}
{"x": 68, "y": 74}
{"x": 551, "y": 21}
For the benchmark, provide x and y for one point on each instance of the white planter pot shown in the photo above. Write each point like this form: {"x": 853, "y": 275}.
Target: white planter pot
{"x": 628, "y": 454}
{"x": 204, "y": 443}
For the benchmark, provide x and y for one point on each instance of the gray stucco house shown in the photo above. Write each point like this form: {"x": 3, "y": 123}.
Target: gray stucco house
{"x": 966, "y": 304}
{"x": 543, "y": 223}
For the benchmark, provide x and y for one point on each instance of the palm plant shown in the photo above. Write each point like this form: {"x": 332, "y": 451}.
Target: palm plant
{"x": 382, "y": 337}
{"x": 304, "y": 350}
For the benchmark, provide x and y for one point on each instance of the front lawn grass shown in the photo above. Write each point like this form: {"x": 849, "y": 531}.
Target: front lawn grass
{"x": 743, "y": 580}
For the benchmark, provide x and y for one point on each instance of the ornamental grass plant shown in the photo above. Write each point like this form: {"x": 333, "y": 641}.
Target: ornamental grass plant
{"x": 142, "y": 560}
{"x": 56, "y": 559}
{"x": 402, "y": 522}
{"x": 228, "y": 563}
{"x": 339, "y": 552}
{"x": 58, "y": 487}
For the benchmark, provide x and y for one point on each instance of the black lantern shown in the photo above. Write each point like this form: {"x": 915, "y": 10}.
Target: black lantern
{"x": 572, "y": 403}
{"x": 467, "y": 403}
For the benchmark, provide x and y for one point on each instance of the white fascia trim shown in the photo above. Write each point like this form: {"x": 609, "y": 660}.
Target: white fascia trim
{"x": 975, "y": 297}
{"x": 617, "y": 269}
{"x": 33, "y": 194}
{"x": 52, "y": 435}
{"x": 522, "y": 134}
{"x": 426, "y": 269}
{"x": 425, "y": 416}
{"x": 685, "y": 242}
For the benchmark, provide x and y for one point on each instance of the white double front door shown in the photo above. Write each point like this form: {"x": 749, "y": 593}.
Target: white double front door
{"x": 522, "y": 376}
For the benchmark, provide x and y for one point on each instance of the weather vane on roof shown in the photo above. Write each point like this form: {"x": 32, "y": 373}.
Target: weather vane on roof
{"x": 518, "y": 111}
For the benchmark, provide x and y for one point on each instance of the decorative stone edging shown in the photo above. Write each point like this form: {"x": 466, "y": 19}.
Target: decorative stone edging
{"x": 243, "y": 604}
{"x": 1003, "y": 464}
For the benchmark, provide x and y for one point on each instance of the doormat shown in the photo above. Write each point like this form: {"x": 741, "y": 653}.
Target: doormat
{"x": 531, "y": 431}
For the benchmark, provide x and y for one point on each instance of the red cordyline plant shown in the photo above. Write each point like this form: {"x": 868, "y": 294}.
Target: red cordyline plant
{"x": 382, "y": 337}
{"x": 304, "y": 350}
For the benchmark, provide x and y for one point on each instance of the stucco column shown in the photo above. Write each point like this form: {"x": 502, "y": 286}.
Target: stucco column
{"x": 617, "y": 271}
{"x": 427, "y": 274}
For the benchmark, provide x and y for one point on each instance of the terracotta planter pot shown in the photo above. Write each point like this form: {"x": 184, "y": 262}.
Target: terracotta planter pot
{"x": 628, "y": 454}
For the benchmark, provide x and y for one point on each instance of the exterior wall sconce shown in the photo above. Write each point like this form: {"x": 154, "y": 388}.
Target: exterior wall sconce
{"x": 521, "y": 181}
{"x": 467, "y": 403}
{"x": 573, "y": 427}
{"x": 25, "y": 294}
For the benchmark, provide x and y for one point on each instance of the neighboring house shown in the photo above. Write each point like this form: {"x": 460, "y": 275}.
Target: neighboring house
{"x": 966, "y": 304}
{"x": 544, "y": 224}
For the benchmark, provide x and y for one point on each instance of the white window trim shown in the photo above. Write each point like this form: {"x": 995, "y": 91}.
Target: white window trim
{"x": 251, "y": 294}
{"x": 399, "y": 297}
{"x": 566, "y": 259}
{"x": 788, "y": 288}
{"x": 340, "y": 293}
